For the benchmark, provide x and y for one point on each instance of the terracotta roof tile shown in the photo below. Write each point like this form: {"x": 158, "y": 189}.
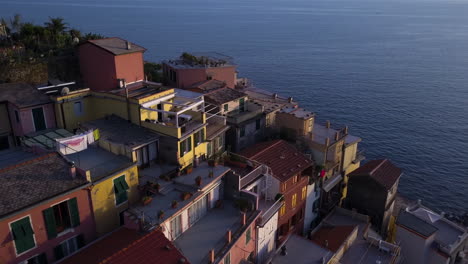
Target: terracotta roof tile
{"x": 116, "y": 46}
{"x": 332, "y": 237}
{"x": 383, "y": 171}
{"x": 283, "y": 158}
{"x": 22, "y": 94}
{"x": 129, "y": 246}
{"x": 223, "y": 95}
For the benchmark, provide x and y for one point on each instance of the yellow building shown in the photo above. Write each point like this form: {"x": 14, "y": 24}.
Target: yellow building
{"x": 176, "y": 114}
{"x": 114, "y": 185}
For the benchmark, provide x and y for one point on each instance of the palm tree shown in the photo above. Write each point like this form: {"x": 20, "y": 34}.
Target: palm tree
{"x": 56, "y": 25}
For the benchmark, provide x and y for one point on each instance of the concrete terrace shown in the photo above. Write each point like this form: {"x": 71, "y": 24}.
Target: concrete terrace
{"x": 203, "y": 170}
{"x": 302, "y": 251}
{"x": 99, "y": 162}
{"x": 209, "y": 233}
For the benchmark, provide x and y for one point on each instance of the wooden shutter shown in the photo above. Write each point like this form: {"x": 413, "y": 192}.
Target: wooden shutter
{"x": 23, "y": 235}
{"x": 49, "y": 219}
{"x": 74, "y": 213}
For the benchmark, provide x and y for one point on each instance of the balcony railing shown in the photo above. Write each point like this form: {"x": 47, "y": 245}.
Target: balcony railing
{"x": 251, "y": 110}
{"x": 268, "y": 214}
{"x": 251, "y": 176}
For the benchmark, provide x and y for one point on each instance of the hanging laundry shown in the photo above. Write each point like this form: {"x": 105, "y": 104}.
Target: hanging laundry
{"x": 72, "y": 144}
{"x": 96, "y": 134}
{"x": 90, "y": 136}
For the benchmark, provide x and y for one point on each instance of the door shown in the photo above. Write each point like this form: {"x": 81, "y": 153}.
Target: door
{"x": 198, "y": 210}
{"x": 39, "y": 119}
{"x": 160, "y": 115}
{"x": 153, "y": 151}
{"x": 176, "y": 227}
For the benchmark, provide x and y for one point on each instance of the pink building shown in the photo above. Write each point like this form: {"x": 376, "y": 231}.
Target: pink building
{"x": 26, "y": 110}
{"x": 45, "y": 213}
{"x": 103, "y": 62}
{"x": 191, "y": 69}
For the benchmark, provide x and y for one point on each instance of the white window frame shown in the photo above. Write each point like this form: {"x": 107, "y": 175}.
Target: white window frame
{"x": 66, "y": 242}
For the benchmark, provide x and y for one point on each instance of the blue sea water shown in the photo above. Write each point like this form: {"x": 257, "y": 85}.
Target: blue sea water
{"x": 394, "y": 71}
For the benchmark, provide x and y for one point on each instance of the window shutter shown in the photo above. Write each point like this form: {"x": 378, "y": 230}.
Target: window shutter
{"x": 202, "y": 135}
{"x": 58, "y": 252}
{"x": 124, "y": 183}
{"x": 49, "y": 219}
{"x": 182, "y": 148}
{"x": 74, "y": 213}
{"x": 23, "y": 235}
{"x": 42, "y": 258}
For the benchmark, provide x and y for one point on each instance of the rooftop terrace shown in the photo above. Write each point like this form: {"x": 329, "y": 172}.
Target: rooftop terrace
{"x": 270, "y": 101}
{"x": 298, "y": 112}
{"x": 302, "y": 251}
{"x": 99, "y": 162}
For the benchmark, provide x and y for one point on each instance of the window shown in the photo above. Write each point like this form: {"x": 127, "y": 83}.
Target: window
{"x": 199, "y": 137}
{"x": 68, "y": 247}
{"x": 17, "y": 116}
{"x": 283, "y": 187}
{"x": 242, "y": 131}
{"x": 242, "y": 104}
{"x": 78, "y": 108}
{"x": 283, "y": 210}
{"x": 120, "y": 189}
{"x": 304, "y": 192}
{"x": 295, "y": 179}
{"x": 294, "y": 200}
{"x": 39, "y": 259}
{"x": 220, "y": 141}
{"x": 248, "y": 235}
{"x": 176, "y": 227}
{"x": 23, "y": 235}
{"x": 227, "y": 258}
{"x": 226, "y": 107}
{"x": 186, "y": 146}
{"x": 210, "y": 149}
{"x": 61, "y": 217}
{"x": 257, "y": 124}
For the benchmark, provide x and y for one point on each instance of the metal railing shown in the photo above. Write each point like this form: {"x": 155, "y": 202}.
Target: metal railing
{"x": 251, "y": 176}
{"x": 266, "y": 216}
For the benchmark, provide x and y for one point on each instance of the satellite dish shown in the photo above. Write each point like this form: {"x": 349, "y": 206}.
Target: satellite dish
{"x": 65, "y": 91}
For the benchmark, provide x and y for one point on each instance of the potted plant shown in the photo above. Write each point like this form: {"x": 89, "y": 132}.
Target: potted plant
{"x": 146, "y": 200}
{"x": 210, "y": 174}
{"x": 189, "y": 169}
{"x": 156, "y": 186}
{"x": 174, "y": 204}
{"x": 279, "y": 196}
{"x": 185, "y": 196}
{"x": 160, "y": 214}
{"x": 198, "y": 180}
{"x": 212, "y": 162}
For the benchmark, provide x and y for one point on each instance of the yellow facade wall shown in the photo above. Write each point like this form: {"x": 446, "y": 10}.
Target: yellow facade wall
{"x": 106, "y": 212}
{"x": 196, "y": 151}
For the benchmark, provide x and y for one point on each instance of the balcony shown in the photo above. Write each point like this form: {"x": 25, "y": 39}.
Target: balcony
{"x": 332, "y": 182}
{"x": 268, "y": 212}
{"x": 251, "y": 110}
{"x": 251, "y": 176}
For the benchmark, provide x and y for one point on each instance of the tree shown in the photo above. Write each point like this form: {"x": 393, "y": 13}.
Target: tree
{"x": 56, "y": 25}
{"x": 91, "y": 36}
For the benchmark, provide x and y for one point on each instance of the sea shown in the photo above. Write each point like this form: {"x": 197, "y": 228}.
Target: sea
{"x": 394, "y": 71}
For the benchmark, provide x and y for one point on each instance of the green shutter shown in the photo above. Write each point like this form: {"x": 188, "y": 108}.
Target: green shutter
{"x": 58, "y": 252}
{"x": 49, "y": 219}
{"x": 124, "y": 182}
{"x": 74, "y": 213}
{"x": 248, "y": 236}
{"x": 23, "y": 235}
{"x": 120, "y": 188}
{"x": 189, "y": 147}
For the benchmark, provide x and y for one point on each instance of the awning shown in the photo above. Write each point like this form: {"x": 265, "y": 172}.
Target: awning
{"x": 332, "y": 182}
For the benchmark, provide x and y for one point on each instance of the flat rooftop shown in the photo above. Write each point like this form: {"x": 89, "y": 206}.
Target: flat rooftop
{"x": 209, "y": 232}
{"x": 115, "y": 129}
{"x": 298, "y": 112}
{"x": 321, "y": 133}
{"x": 270, "y": 101}
{"x": 302, "y": 251}
{"x": 32, "y": 181}
{"x": 99, "y": 162}
{"x": 173, "y": 190}
{"x": 116, "y": 46}
{"x": 140, "y": 90}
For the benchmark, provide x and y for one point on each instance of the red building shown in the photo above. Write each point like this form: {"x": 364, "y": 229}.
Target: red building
{"x": 103, "y": 62}
{"x": 192, "y": 69}
{"x": 45, "y": 210}
{"x": 292, "y": 169}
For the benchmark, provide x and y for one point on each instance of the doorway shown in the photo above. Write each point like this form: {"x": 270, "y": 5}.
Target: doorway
{"x": 39, "y": 119}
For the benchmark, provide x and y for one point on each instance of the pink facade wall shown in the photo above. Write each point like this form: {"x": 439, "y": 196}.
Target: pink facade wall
{"x": 26, "y": 124}
{"x": 43, "y": 244}
{"x": 130, "y": 67}
{"x": 97, "y": 68}
{"x": 188, "y": 77}
{"x": 241, "y": 250}
{"x": 225, "y": 74}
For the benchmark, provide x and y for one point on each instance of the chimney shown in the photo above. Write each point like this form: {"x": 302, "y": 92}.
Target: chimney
{"x": 229, "y": 236}
{"x": 327, "y": 141}
{"x": 73, "y": 170}
{"x": 212, "y": 256}
{"x": 346, "y": 130}
{"x": 419, "y": 202}
{"x": 442, "y": 214}
{"x": 128, "y": 44}
{"x": 327, "y": 124}
{"x": 275, "y": 95}
{"x": 290, "y": 99}
{"x": 337, "y": 136}
{"x": 244, "y": 219}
